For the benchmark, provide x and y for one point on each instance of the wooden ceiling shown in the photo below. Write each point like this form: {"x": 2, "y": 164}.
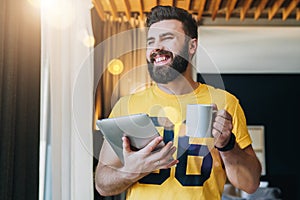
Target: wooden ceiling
{"x": 203, "y": 9}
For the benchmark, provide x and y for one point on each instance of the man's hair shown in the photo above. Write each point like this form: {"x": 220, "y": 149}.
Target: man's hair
{"x": 159, "y": 13}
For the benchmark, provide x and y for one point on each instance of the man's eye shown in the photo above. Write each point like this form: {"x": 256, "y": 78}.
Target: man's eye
{"x": 150, "y": 42}
{"x": 168, "y": 38}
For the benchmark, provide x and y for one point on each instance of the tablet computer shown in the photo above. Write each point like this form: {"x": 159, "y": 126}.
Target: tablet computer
{"x": 139, "y": 128}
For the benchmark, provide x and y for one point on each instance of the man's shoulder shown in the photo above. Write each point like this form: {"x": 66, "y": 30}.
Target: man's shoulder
{"x": 219, "y": 95}
{"x": 218, "y": 91}
{"x": 124, "y": 105}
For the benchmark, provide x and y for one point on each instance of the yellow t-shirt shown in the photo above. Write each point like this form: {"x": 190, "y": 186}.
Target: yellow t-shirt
{"x": 199, "y": 173}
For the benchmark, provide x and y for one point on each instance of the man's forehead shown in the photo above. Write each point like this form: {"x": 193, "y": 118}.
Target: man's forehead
{"x": 166, "y": 26}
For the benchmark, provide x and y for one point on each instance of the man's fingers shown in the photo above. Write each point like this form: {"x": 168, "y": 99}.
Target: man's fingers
{"x": 168, "y": 165}
{"x": 168, "y": 162}
{"x": 165, "y": 156}
{"x": 126, "y": 144}
{"x": 214, "y": 106}
{"x": 224, "y": 114}
{"x": 168, "y": 150}
{"x": 223, "y": 126}
{"x": 152, "y": 145}
{"x": 223, "y": 122}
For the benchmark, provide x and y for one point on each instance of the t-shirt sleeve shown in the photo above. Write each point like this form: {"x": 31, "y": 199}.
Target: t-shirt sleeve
{"x": 240, "y": 126}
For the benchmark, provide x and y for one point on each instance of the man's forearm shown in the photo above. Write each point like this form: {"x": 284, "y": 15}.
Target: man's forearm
{"x": 112, "y": 181}
{"x": 242, "y": 168}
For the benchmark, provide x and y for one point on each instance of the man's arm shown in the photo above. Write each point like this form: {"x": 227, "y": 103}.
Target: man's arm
{"x": 109, "y": 178}
{"x": 113, "y": 178}
{"x": 242, "y": 167}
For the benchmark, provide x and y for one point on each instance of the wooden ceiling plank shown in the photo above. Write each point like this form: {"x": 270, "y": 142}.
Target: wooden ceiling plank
{"x": 214, "y": 7}
{"x": 112, "y": 9}
{"x": 274, "y": 9}
{"x": 298, "y": 14}
{"x": 99, "y": 9}
{"x": 149, "y": 4}
{"x": 127, "y": 9}
{"x": 184, "y": 4}
{"x": 181, "y": 4}
{"x": 229, "y": 8}
{"x": 245, "y": 9}
{"x": 166, "y": 2}
{"x": 187, "y": 4}
{"x": 287, "y": 11}
{"x": 201, "y": 9}
{"x": 260, "y": 8}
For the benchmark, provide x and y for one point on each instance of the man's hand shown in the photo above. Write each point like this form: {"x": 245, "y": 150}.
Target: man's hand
{"x": 222, "y": 127}
{"x": 146, "y": 160}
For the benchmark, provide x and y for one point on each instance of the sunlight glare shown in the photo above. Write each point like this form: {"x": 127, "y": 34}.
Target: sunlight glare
{"x": 35, "y": 3}
{"x": 115, "y": 66}
{"x": 59, "y": 14}
{"x": 89, "y": 41}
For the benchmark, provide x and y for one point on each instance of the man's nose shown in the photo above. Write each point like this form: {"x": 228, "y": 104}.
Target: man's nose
{"x": 158, "y": 45}
{"x": 156, "y": 50}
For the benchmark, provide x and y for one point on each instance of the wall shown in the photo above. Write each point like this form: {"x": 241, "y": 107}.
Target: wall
{"x": 248, "y": 49}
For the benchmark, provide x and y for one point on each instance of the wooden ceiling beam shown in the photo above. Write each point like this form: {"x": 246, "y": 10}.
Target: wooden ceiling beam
{"x": 214, "y": 7}
{"x": 141, "y": 9}
{"x": 245, "y": 9}
{"x": 260, "y": 8}
{"x": 127, "y": 9}
{"x": 99, "y": 9}
{"x": 274, "y": 9}
{"x": 112, "y": 9}
{"x": 201, "y": 9}
{"x": 290, "y": 9}
{"x": 287, "y": 11}
{"x": 229, "y": 8}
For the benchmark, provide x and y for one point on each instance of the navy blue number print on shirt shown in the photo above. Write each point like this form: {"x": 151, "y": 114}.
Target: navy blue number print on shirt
{"x": 184, "y": 150}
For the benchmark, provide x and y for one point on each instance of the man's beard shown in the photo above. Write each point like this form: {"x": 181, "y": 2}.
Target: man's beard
{"x": 167, "y": 73}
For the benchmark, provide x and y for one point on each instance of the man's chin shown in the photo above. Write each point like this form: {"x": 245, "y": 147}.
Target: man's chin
{"x": 159, "y": 77}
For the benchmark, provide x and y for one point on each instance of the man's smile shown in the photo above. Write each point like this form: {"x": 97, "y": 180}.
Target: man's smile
{"x": 161, "y": 57}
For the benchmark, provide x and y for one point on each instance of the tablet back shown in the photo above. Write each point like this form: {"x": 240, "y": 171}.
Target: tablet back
{"x": 139, "y": 128}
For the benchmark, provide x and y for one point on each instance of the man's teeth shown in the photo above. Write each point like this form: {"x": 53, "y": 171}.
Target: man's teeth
{"x": 160, "y": 59}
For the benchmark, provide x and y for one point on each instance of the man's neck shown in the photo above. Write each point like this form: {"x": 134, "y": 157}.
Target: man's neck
{"x": 181, "y": 85}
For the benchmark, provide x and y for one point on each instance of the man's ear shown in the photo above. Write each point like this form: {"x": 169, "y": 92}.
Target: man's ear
{"x": 193, "y": 43}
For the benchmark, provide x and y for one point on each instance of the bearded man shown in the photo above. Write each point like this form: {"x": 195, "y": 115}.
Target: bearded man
{"x": 196, "y": 171}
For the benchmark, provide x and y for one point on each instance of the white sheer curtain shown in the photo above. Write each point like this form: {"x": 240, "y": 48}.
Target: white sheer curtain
{"x": 66, "y": 158}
